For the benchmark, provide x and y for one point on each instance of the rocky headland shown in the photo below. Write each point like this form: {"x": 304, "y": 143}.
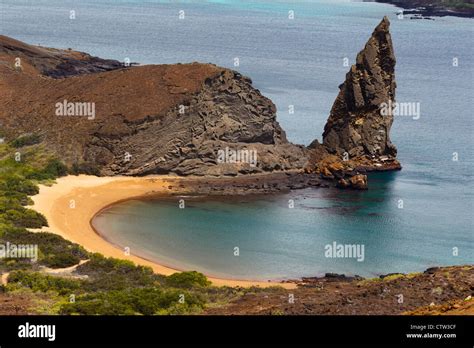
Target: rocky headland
{"x": 107, "y": 118}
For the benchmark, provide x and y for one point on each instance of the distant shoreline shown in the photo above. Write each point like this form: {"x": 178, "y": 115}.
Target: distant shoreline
{"x": 430, "y": 8}
{"x": 70, "y": 205}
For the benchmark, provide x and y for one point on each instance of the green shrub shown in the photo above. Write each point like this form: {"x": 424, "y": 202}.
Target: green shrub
{"x": 18, "y": 184}
{"x": 52, "y": 170}
{"x": 61, "y": 260}
{"x": 187, "y": 280}
{"x": 54, "y": 250}
{"x": 100, "y": 263}
{"x": 13, "y": 201}
{"x": 145, "y": 301}
{"x": 41, "y": 282}
{"x": 56, "y": 168}
{"x": 113, "y": 274}
{"x": 25, "y": 218}
{"x": 26, "y": 140}
{"x": 93, "y": 305}
{"x": 8, "y": 265}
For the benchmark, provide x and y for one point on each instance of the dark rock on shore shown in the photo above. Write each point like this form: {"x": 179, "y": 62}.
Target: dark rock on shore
{"x": 383, "y": 276}
{"x": 432, "y": 270}
{"x": 267, "y": 183}
{"x": 358, "y": 182}
{"x": 53, "y": 62}
{"x": 327, "y": 278}
{"x": 434, "y": 8}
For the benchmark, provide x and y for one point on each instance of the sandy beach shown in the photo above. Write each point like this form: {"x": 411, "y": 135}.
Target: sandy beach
{"x": 71, "y": 203}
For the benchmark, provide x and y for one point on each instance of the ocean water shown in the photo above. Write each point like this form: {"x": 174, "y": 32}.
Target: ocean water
{"x": 295, "y": 62}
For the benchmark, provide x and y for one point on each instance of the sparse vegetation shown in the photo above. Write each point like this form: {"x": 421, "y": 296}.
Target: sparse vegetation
{"x": 54, "y": 251}
{"x": 26, "y": 140}
{"x": 18, "y": 180}
{"x": 146, "y": 301}
{"x": 41, "y": 282}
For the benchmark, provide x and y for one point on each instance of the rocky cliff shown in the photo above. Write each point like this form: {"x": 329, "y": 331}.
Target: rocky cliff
{"x": 182, "y": 118}
{"x": 356, "y": 137}
{"x": 356, "y": 124}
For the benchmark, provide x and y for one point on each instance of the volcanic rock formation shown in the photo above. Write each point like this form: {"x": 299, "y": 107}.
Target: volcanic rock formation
{"x": 356, "y": 136}
{"x": 53, "y": 62}
{"x": 356, "y": 123}
{"x": 191, "y": 119}
{"x": 147, "y": 119}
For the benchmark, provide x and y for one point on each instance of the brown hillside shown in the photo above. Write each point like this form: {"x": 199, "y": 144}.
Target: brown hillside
{"x": 137, "y": 112}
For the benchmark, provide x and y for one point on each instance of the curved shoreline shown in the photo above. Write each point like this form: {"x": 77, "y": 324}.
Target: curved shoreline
{"x": 73, "y": 201}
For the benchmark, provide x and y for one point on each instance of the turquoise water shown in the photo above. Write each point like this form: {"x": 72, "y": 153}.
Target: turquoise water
{"x": 278, "y": 242}
{"x": 294, "y": 62}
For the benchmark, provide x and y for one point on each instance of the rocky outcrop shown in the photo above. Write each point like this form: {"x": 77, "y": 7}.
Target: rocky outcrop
{"x": 356, "y": 137}
{"x": 356, "y": 124}
{"x": 54, "y": 62}
{"x": 358, "y": 182}
{"x": 227, "y": 116}
{"x": 186, "y": 119}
